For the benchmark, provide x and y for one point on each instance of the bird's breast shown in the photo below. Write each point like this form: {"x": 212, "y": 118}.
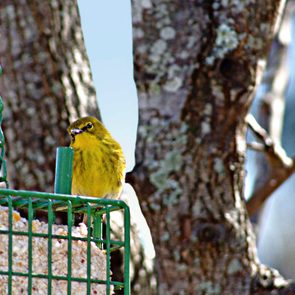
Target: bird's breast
{"x": 97, "y": 172}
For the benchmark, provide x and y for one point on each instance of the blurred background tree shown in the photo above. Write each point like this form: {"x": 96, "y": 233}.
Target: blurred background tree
{"x": 47, "y": 83}
{"x": 196, "y": 64}
{"x": 274, "y": 105}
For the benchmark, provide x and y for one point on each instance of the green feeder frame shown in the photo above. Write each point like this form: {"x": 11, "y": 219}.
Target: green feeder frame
{"x": 50, "y": 203}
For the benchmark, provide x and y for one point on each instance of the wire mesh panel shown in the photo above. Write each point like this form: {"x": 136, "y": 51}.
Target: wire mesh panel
{"x": 41, "y": 257}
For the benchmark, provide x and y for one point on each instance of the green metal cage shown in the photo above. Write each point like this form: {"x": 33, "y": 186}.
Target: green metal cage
{"x": 51, "y": 203}
{"x": 59, "y": 259}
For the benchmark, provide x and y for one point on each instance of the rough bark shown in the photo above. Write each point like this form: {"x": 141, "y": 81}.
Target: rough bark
{"x": 196, "y": 64}
{"x": 46, "y": 83}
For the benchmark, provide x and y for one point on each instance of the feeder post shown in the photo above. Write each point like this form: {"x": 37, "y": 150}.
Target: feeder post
{"x": 63, "y": 170}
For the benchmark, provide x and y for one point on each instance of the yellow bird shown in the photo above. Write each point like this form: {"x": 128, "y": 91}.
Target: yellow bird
{"x": 99, "y": 163}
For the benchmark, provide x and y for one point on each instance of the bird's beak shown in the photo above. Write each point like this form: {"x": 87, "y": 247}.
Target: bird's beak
{"x": 76, "y": 131}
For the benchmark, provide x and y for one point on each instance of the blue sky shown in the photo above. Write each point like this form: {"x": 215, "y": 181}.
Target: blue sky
{"x": 108, "y": 37}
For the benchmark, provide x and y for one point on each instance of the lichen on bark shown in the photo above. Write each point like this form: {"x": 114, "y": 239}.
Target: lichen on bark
{"x": 192, "y": 192}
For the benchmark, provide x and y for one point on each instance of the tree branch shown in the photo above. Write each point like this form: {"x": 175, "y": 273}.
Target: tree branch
{"x": 256, "y": 146}
{"x": 281, "y": 166}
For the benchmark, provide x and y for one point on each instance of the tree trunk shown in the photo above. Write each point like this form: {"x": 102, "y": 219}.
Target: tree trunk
{"x": 46, "y": 83}
{"x": 196, "y": 64}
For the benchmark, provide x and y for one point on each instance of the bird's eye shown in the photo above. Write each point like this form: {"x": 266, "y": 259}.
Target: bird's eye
{"x": 89, "y": 126}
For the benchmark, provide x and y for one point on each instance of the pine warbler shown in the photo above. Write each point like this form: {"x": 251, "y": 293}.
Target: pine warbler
{"x": 99, "y": 163}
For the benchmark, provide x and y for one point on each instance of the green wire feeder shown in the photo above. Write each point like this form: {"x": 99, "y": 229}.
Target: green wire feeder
{"x": 44, "y": 258}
